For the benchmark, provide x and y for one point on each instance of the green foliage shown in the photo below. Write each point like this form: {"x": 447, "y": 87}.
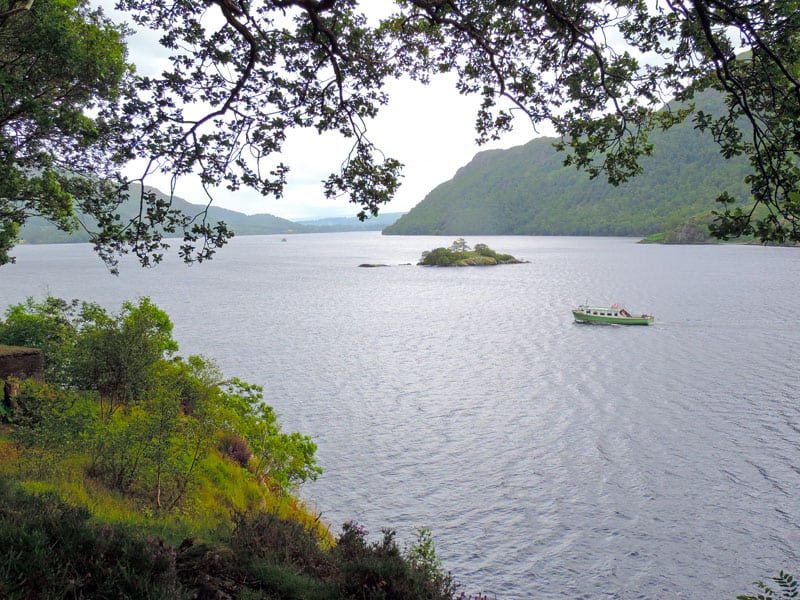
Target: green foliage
{"x": 145, "y": 422}
{"x": 287, "y": 459}
{"x": 85, "y": 347}
{"x": 117, "y": 355}
{"x": 155, "y": 460}
{"x": 459, "y": 255}
{"x": 49, "y": 549}
{"x": 440, "y": 257}
{"x": 117, "y": 446}
{"x": 61, "y": 62}
{"x": 281, "y": 581}
{"x": 656, "y": 238}
{"x": 64, "y": 138}
{"x": 787, "y": 584}
{"x": 6, "y": 413}
{"x": 527, "y": 190}
{"x": 485, "y": 251}
{"x": 422, "y": 554}
{"x": 49, "y": 418}
{"x": 374, "y": 570}
{"x": 259, "y": 536}
{"x": 47, "y": 325}
{"x": 73, "y": 112}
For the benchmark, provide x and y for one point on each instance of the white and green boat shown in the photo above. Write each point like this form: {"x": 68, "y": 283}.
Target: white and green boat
{"x": 614, "y": 314}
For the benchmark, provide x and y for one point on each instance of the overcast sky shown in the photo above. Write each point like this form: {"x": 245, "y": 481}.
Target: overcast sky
{"x": 430, "y": 129}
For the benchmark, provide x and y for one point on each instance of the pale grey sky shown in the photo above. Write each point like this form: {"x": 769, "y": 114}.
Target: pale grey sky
{"x": 430, "y": 129}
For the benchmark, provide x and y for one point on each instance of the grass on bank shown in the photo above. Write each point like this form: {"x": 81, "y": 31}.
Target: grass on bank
{"x": 134, "y": 473}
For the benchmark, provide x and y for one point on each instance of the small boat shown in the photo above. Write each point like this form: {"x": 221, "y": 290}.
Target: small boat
{"x": 614, "y": 314}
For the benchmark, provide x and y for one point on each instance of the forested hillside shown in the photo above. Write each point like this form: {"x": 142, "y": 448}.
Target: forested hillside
{"x": 526, "y": 190}
{"x": 40, "y": 231}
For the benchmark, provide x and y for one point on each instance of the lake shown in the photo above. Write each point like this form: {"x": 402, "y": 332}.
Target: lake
{"x": 549, "y": 459}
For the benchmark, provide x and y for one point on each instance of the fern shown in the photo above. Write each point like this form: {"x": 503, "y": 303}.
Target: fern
{"x": 788, "y": 585}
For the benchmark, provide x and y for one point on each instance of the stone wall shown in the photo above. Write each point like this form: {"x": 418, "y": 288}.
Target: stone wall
{"x": 21, "y": 363}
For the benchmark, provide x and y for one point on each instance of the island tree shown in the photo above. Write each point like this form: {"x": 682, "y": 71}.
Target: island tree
{"x": 459, "y": 254}
{"x": 244, "y": 73}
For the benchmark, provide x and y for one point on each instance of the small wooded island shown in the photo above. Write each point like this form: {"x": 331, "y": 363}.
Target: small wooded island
{"x": 459, "y": 254}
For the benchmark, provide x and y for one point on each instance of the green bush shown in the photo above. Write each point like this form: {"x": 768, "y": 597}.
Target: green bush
{"x": 285, "y": 560}
{"x": 51, "y": 550}
{"x": 145, "y": 440}
{"x": 265, "y": 536}
{"x": 284, "y": 582}
{"x": 378, "y": 570}
{"x": 235, "y": 448}
{"x": 49, "y": 423}
{"x": 438, "y": 257}
{"x": 459, "y": 254}
{"x": 788, "y": 585}
{"x": 143, "y": 420}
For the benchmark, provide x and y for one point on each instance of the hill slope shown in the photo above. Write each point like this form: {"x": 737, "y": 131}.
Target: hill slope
{"x": 39, "y": 231}
{"x": 526, "y": 190}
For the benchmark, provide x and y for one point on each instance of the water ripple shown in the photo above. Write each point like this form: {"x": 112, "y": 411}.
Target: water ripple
{"x": 551, "y": 460}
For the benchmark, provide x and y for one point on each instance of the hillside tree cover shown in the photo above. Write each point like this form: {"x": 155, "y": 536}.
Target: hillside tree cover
{"x": 527, "y": 190}
{"x": 244, "y": 73}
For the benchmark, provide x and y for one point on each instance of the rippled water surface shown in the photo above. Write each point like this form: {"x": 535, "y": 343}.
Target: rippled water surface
{"x": 550, "y": 459}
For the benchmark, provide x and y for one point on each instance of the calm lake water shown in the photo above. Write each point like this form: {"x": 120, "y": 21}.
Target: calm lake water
{"x": 550, "y": 459}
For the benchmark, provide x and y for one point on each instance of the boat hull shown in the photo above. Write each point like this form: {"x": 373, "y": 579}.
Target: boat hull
{"x": 582, "y": 318}
{"x": 609, "y": 316}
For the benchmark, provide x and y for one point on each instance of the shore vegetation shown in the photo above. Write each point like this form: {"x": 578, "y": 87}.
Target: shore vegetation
{"x": 132, "y": 472}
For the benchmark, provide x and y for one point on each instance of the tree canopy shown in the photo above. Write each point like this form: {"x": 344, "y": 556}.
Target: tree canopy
{"x": 59, "y": 62}
{"x": 123, "y": 397}
{"x": 243, "y": 73}
{"x": 459, "y": 254}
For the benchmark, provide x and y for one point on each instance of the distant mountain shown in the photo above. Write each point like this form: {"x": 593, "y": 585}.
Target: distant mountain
{"x": 40, "y": 231}
{"x": 351, "y": 223}
{"x": 526, "y": 190}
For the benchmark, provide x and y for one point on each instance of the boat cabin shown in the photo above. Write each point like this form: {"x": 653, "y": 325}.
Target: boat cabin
{"x": 604, "y": 312}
